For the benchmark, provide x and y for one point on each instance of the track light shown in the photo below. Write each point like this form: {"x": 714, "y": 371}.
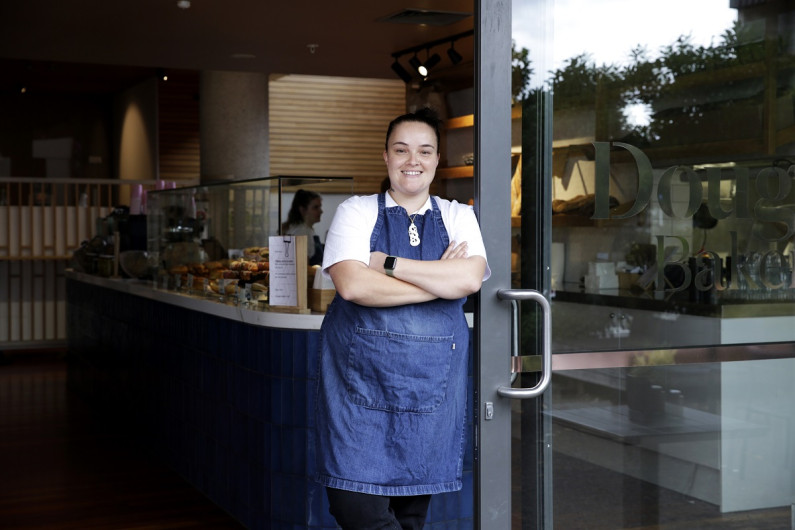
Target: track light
{"x": 401, "y": 72}
{"x": 454, "y": 56}
{"x": 432, "y": 61}
{"x": 416, "y": 64}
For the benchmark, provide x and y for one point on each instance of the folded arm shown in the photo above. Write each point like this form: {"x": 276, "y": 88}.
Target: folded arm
{"x": 453, "y": 276}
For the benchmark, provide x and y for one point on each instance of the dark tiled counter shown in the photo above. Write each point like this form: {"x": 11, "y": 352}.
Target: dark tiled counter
{"x": 222, "y": 396}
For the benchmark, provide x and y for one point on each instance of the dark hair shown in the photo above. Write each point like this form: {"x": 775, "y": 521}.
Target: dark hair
{"x": 301, "y": 200}
{"x": 425, "y": 115}
{"x": 385, "y": 185}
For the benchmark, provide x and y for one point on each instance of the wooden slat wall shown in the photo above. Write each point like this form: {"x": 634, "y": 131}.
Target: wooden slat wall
{"x": 332, "y": 126}
{"x": 178, "y": 135}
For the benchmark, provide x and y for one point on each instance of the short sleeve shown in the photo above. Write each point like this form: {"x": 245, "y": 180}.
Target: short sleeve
{"x": 462, "y": 225}
{"x": 349, "y": 234}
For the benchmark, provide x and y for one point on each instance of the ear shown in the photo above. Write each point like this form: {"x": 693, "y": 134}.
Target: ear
{"x": 386, "y": 157}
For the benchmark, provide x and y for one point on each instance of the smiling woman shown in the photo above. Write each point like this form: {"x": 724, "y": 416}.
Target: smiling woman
{"x": 411, "y": 157}
{"x": 403, "y": 263}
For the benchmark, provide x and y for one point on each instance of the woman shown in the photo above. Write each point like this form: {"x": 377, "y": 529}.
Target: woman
{"x": 305, "y": 211}
{"x": 391, "y": 408}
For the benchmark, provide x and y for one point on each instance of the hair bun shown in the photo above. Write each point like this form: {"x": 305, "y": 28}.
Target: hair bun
{"x": 428, "y": 113}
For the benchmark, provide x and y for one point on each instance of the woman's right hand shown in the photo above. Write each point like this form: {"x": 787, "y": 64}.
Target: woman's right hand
{"x": 454, "y": 251}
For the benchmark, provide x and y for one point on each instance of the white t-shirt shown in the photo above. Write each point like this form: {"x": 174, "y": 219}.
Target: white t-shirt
{"x": 349, "y": 235}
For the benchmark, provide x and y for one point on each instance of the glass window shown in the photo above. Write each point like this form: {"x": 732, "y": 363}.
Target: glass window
{"x": 672, "y": 213}
{"x": 673, "y": 209}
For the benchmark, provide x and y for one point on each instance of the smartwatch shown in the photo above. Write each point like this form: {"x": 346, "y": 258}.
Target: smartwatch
{"x": 389, "y": 265}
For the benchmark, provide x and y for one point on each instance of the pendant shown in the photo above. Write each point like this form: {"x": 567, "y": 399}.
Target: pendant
{"x": 414, "y": 235}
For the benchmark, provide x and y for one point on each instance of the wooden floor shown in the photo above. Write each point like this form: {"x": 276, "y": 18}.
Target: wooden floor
{"x": 62, "y": 467}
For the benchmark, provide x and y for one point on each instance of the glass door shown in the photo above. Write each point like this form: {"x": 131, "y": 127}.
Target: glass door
{"x": 636, "y": 168}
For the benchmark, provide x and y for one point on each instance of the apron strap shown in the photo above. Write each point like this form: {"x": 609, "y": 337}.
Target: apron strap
{"x": 437, "y": 216}
{"x": 379, "y": 222}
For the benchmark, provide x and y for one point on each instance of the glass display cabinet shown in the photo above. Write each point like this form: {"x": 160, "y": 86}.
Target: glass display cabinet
{"x": 214, "y": 237}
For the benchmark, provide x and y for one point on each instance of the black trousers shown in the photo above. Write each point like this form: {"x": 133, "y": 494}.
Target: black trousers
{"x": 361, "y": 511}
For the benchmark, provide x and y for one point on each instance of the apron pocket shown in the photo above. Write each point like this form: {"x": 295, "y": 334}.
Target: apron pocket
{"x": 398, "y": 372}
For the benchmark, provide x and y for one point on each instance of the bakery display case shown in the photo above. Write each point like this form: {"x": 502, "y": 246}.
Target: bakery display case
{"x": 213, "y": 238}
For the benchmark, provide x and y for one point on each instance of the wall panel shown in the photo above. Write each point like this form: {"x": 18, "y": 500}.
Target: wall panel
{"x": 332, "y": 126}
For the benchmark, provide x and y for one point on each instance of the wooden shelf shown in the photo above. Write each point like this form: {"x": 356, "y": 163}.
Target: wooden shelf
{"x": 460, "y": 122}
{"x": 455, "y": 172}
{"x": 562, "y": 219}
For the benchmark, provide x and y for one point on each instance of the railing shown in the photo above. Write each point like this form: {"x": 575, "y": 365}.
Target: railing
{"x": 42, "y": 222}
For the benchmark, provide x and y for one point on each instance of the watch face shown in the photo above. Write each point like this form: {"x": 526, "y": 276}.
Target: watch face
{"x": 389, "y": 263}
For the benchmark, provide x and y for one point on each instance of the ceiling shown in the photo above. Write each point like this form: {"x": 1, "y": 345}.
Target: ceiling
{"x": 96, "y": 45}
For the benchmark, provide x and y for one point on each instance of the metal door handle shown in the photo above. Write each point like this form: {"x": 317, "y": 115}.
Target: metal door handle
{"x": 517, "y": 295}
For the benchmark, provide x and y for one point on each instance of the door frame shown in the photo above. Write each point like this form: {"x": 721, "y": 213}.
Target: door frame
{"x": 493, "y": 318}
{"x": 492, "y": 144}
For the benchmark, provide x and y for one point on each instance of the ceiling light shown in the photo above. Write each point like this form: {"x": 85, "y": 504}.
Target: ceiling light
{"x": 454, "y": 56}
{"x": 432, "y": 61}
{"x": 183, "y": 4}
{"x": 401, "y": 72}
{"x": 416, "y": 64}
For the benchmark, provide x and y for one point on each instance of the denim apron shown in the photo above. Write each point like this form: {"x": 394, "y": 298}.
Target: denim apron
{"x": 391, "y": 404}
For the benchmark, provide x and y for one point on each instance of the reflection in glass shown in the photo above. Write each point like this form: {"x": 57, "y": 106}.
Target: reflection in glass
{"x": 673, "y": 216}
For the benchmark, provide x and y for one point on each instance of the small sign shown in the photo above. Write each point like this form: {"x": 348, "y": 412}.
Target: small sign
{"x": 288, "y": 264}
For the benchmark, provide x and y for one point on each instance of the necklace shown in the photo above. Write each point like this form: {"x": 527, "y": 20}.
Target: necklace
{"x": 414, "y": 234}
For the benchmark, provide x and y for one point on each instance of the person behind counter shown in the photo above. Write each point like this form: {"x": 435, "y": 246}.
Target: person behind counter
{"x": 306, "y": 210}
{"x": 391, "y": 404}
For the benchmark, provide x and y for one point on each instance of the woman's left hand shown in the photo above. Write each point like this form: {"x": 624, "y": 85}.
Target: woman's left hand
{"x": 454, "y": 275}
{"x": 377, "y": 261}
{"x": 452, "y": 251}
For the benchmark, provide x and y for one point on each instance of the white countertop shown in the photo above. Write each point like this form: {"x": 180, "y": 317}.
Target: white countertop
{"x": 240, "y": 312}
{"x": 255, "y": 314}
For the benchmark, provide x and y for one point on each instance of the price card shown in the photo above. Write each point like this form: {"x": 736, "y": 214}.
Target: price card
{"x": 282, "y": 289}
{"x": 287, "y": 256}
